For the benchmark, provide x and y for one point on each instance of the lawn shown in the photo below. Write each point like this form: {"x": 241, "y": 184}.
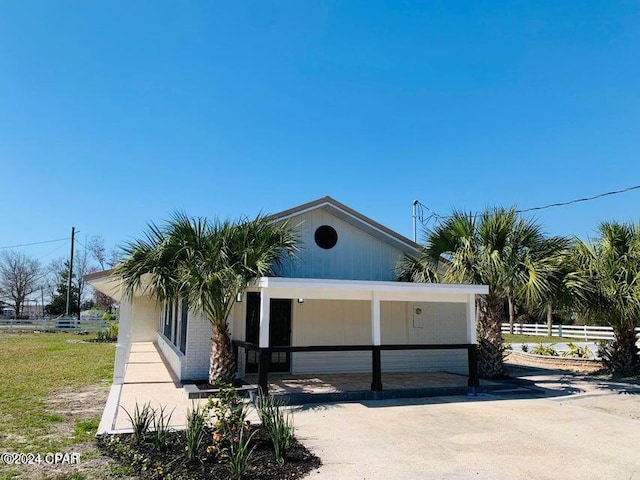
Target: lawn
{"x": 46, "y": 377}
{"x": 507, "y": 337}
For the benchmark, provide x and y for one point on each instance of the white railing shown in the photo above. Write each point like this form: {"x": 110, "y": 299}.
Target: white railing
{"x": 586, "y": 332}
{"x": 51, "y": 324}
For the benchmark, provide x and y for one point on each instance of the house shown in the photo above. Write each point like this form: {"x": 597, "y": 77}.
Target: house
{"x": 336, "y": 309}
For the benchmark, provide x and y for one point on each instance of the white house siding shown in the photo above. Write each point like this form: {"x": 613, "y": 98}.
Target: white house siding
{"x": 237, "y": 328}
{"x": 198, "y": 351}
{"x": 331, "y": 322}
{"x": 356, "y": 256}
{"x": 438, "y": 323}
{"x": 146, "y": 314}
{"x": 171, "y": 354}
{"x": 343, "y": 322}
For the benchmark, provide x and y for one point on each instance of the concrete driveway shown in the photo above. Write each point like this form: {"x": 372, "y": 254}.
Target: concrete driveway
{"x": 560, "y": 426}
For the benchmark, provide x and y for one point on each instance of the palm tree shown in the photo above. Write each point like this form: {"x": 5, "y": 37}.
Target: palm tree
{"x": 208, "y": 264}
{"x": 610, "y": 267}
{"x": 500, "y": 249}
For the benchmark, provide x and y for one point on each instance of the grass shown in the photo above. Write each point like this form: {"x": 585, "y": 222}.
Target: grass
{"x": 85, "y": 430}
{"x": 34, "y": 366}
{"x": 536, "y": 339}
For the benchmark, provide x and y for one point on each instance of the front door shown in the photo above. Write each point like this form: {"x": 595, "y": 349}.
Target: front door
{"x": 279, "y": 332}
{"x": 252, "y": 330}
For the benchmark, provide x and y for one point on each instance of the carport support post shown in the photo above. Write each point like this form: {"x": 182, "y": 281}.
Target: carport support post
{"x": 263, "y": 342}
{"x": 474, "y": 380}
{"x": 263, "y": 370}
{"x": 376, "y": 363}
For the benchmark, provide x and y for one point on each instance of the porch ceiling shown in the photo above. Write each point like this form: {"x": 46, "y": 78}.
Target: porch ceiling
{"x": 279, "y": 287}
{"x": 109, "y": 285}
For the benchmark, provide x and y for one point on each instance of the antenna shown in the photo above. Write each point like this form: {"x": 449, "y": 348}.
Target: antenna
{"x": 415, "y": 218}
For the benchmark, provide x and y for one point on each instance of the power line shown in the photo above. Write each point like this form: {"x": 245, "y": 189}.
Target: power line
{"x": 35, "y": 243}
{"x": 431, "y": 215}
{"x": 585, "y": 199}
{"x": 54, "y": 250}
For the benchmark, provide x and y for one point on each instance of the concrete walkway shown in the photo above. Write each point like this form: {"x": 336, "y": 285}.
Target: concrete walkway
{"x": 147, "y": 380}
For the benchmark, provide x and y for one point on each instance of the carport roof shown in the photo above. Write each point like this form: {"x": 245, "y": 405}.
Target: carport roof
{"x": 280, "y": 287}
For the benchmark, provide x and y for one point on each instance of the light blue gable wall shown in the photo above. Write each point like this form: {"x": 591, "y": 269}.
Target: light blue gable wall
{"x": 357, "y": 255}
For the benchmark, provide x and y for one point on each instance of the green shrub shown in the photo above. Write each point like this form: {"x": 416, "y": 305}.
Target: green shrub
{"x": 547, "y": 350}
{"x": 141, "y": 421}
{"x": 161, "y": 433}
{"x": 195, "y": 433}
{"x": 229, "y": 410}
{"x": 278, "y": 422}
{"x": 239, "y": 454}
{"x": 110, "y": 334}
{"x": 576, "y": 351}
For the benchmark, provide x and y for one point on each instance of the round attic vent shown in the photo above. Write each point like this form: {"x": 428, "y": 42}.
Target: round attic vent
{"x": 326, "y": 237}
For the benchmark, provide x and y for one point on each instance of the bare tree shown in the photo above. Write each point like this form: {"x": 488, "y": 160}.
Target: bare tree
{"x": 52, "y": 276}
{"x": 97, "y": 250}
{"x": 18, "y": 277}
{"x": 115, "y": 256}
{"x": 95, "y": 245}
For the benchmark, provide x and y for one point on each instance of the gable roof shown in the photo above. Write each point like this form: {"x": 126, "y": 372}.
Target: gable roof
{"x": 354, "y": 218}
{"x": 339, "y": 210}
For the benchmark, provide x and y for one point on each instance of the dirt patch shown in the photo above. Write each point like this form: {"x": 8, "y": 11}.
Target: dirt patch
{"x": 92, "y": 465}
{"x": 79, "y": 403}
{"x": 73, "y": 405}
{"x": 559, "y": 363}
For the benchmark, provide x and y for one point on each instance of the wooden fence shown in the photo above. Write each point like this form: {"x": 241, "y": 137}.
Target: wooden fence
{"x": 62, "y": 324}
{"x": 584, "y": 332}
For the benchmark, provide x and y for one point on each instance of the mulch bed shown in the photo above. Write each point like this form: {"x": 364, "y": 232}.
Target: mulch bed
{"x": 149, "y": 463}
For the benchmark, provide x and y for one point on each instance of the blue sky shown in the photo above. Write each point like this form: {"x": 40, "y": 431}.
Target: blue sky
{"x": 116, "y": 113}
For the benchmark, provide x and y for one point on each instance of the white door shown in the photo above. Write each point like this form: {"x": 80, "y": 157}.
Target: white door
{"x": 418, "y": 328}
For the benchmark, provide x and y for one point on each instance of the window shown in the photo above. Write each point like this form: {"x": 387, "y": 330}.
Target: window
{"x": 168, "y": 320}
{"x": 174, "y": 323}
{"x": 174, "y": 327}
{"x": 183, "y": 326}
{"x": 326, "y": 237}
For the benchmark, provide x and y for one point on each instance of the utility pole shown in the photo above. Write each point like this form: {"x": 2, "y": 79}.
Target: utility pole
{"x": 73, "y": 234}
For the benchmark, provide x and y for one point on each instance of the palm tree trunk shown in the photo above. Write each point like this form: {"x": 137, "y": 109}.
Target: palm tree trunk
{"x": 512, "y": 313}
{"x": 622, "y": 355}
{"x": 549, "y": 320}
{"x": 222, "y": 364}
{"x": 490, "y": 350}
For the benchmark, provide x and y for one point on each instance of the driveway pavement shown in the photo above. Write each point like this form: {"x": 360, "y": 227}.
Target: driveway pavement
{"x": 556, "y": 426}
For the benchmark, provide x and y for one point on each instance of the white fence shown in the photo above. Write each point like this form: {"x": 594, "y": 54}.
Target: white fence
{"x": 585, "y": 332}
{"x": 65, "y": 324}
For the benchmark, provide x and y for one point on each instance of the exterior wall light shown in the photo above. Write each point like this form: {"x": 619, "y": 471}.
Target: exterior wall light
{"x": 301, "y": 300}
{"x": 239, "y": 297}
